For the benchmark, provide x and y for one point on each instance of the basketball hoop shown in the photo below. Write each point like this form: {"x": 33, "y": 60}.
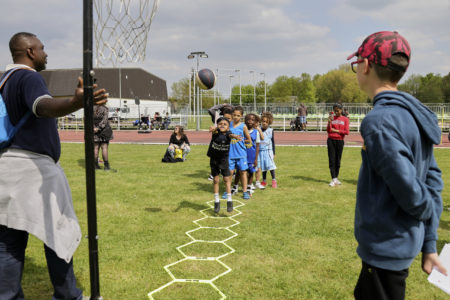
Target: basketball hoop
{"x": 121, "y": 28}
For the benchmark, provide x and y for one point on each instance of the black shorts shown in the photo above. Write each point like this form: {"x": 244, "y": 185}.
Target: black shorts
{"x": 220, "y": 166}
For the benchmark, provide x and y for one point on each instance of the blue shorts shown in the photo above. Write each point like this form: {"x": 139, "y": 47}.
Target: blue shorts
{"x": 302, "y": 119}
{"x": 239, "y": 164}
{"x": 252, "y": 168}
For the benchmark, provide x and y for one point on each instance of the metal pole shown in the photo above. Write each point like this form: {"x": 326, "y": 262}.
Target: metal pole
{"x": 231, "y": 90}
{"x": 190, "y": 94}
{"x": 88, "y": 81}
{"x": 120, "y": 98}
{"x": 265, "y": 95}
{"x": 195, "y": 97}
{"x": 198, "y": 102}
{"x": 240, "y": 87}
{"x": 254, "y": 91}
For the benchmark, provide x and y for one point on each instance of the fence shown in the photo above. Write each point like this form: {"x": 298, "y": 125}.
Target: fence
{"x": 283, "y": 114}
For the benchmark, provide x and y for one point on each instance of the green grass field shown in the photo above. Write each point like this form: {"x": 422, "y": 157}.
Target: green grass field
{"x": 294, "y": 242}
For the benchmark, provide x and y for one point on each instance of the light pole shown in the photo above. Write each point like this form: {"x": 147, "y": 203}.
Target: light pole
{"x": 231, "y": 90}
{"x": 254, "y": 91}
{"x": 240, "y": 88}
{"x": 265, "y": 94}
{"x": 192, "y": 55}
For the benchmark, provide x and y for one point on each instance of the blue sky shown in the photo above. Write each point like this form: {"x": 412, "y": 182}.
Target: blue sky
{"x": 274, "y": 37}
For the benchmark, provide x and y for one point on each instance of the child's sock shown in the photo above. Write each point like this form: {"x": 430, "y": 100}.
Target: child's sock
{"x": 229, "y": 197}
{"x": 272, "y": 173}
{"x": 216, "y": 197}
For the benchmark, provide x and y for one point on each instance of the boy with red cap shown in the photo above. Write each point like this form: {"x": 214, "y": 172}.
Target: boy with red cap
{"x": 399, "y": 200}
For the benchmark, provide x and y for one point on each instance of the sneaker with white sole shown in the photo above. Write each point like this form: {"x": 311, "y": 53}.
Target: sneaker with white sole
{"x": 210, "y": 177}
{"x": 332, "y": 183}
{"x": 336, "y": 181}
{"x": 260, "y": 186}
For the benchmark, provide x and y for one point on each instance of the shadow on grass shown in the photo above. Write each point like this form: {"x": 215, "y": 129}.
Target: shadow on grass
{"x": 351, "y": 181}
{"x": 152, "y": 209}
{"x": 187, "y": 204}
{"x": 205, "y": 186}
{"x": 199, "y": 174}
{"x": 82, "y": 163}
{"x": 305, "y": 178}
{"x": 36, "y": 283}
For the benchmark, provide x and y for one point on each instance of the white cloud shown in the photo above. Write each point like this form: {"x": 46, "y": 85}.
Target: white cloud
{"x": 282, "y": 37}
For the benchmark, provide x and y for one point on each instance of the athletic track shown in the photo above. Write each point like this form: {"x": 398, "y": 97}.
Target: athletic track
{"x": 287, "y": 138}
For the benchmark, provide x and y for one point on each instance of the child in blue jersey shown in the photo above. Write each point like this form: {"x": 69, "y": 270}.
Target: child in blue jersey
{"x": 253, "y": 151}
{"x": 238, "y": 149}
{"x": 267, "y": 150}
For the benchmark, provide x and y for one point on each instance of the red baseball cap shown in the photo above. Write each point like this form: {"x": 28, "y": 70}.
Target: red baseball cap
{"x": 380, "y": 46}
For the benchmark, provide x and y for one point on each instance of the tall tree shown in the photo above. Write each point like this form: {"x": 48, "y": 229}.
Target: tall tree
{"x": 411, "y": 85}
{"x": 306, "y": 91}
{"x": 446, "y": 87}
{"x": 430, "y": 90}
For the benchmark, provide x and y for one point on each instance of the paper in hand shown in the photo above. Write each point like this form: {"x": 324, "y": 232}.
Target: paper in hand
{"x": 436, "y": 277}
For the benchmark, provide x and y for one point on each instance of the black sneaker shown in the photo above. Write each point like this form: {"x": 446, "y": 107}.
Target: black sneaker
{"x": 210, "y": 177}
{"x": 97, "y": 166}
{"x": 106, "y": 166}
{"x": 216, "y": 207}
{"x": 229, "y": 206}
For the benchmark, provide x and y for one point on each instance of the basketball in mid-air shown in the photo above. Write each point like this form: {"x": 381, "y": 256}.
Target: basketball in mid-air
{"x": 206, "y": 79}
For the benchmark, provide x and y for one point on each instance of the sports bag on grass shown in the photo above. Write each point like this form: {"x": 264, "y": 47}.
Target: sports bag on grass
{"x": 7, "y": 129}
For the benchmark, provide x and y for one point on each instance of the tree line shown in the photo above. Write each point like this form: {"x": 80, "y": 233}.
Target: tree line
{"x": 338, "y": 85}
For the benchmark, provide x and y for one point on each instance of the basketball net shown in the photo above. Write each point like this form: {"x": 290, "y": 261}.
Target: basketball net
{"x": 121, "y": 28}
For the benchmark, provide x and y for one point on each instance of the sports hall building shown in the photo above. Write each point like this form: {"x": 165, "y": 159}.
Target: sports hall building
{"x": 127, "y": 87}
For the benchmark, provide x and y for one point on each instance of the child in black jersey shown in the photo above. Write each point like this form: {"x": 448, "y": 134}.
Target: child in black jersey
{"x": 218, "y": 152}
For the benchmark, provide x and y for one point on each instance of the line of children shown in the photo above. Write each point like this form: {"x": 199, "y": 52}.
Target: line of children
{"x": 251, "y": 121}
{"x": 245, "y": 155}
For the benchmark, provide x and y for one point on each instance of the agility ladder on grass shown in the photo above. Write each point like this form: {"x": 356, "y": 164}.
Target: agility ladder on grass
{"x": 236, "y": 213}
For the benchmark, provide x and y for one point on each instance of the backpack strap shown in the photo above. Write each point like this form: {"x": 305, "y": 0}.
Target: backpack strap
{"x": 4, "y": 78}
{"x": 7, "y": 74}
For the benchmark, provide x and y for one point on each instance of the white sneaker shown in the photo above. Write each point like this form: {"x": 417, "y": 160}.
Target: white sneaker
{"x": 260, "y": 186}
{"x": 332, "y": 183}
{"x": 336, "y": 181}
{"x": 251, "y": 187}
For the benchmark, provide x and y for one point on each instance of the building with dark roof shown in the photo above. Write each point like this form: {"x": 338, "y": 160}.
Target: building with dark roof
{"x": 121, "y": 83}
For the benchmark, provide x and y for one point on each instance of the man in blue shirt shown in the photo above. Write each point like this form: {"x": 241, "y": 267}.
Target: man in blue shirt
{"x": 35, "y": 197}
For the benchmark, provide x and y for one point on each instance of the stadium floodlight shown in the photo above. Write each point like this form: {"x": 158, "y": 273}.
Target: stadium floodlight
{"x": 192, "y": 55}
